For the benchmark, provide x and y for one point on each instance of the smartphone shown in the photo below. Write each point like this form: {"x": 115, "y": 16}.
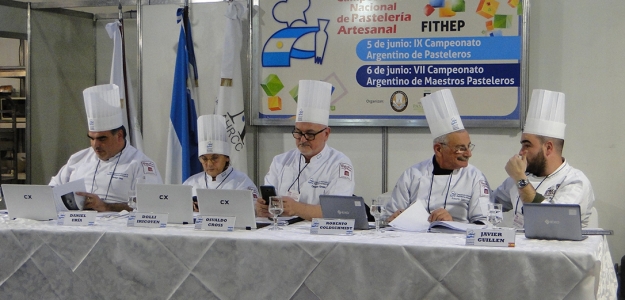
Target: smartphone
{"x": 267, "y": 191}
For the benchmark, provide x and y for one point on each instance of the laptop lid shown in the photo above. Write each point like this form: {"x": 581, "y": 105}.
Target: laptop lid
{"x": 552, "y": 221}
{"x": 345, "y": 207}
{"x": 228, "y": 203}
{"x": 30, "y": 201}
{"x": 174, "y": 199}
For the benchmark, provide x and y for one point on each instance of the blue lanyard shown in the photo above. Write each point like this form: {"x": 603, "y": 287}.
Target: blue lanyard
{"x": 222, "y": 182}
{"x": 110, "y": 180}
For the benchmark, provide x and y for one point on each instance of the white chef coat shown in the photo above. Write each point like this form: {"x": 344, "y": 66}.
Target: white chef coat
{"x": 566, "y": 185}
{"x": 110, "y": 179}
{"x": 329, "y": 173}
{"x": 230, "y": 179}
{"x": 464, "y": 193}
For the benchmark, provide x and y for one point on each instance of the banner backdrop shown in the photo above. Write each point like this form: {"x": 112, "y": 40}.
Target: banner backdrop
{"x": 383, "y": 56}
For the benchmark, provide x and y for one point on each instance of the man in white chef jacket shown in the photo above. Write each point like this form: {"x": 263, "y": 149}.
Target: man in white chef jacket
{"x": 313, "y": 168}
{"x": 110, "y": 167}
{"x": 539, "y": 173}
{"x": 448, "y": 187}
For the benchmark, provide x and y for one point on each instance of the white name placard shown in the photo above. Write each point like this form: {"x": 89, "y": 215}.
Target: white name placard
{"x": 332, "y": 226}
{"x": 493, "y": 237}
{"x": 154, "y": 220}
{"x": 216, "y": 223}
{"x": 77, "y": 218}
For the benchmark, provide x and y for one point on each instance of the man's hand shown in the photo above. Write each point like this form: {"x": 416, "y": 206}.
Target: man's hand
{"x": 93, "y": 201}
{"x": 394, "y": 215}
{"x": 261, "y": 208}
{"x": 516, "y": 167}
{"x": 440, "y": 214}
{"x": 291, "y": 207}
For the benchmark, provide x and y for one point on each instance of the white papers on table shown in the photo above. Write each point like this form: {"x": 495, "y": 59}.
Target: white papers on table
{"x": 456, "y": 226}
{"x": 67, "y": 190}
{"x": 415, "y": 218}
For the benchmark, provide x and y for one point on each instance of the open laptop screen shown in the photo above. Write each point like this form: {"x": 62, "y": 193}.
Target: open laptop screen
{"x": 345, "y": 207}
{"x": 30, "y": 201}
{"x": 228, "y": 203}
{"x": 552, "y": 221}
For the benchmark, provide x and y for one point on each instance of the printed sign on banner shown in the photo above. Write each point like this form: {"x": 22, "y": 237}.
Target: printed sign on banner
{"x": 383, "y": 56}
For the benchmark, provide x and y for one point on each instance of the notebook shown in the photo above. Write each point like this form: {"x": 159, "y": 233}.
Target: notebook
{"x": 30, "y": 201}
{"x": 553, "y": 221}
{"x": 174, "y": 199}
{"x": 345, "y": 207}
{"x": 228, "y": 203}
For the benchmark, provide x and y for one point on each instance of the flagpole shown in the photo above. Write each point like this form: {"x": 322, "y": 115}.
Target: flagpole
{"x": 121, "y": 30}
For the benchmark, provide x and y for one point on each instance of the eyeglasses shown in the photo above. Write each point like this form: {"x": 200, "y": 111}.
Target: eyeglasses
{"x": 462, "y": 148}
{"x": 213, "y": 158}
{"x": 308, "y": 135}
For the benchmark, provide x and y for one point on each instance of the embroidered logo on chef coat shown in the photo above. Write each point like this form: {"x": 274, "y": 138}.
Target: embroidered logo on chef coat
{"x": 551, "y": 191}
{"x": 459, "y": 197}
{"x": 345, "y": 171}
{"x": 318, "y": 184}
{"x": 148, "y": 167}
{"x": 484, "y": 188}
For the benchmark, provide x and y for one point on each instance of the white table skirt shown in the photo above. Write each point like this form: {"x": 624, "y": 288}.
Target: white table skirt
{"x": 40, "y": 260}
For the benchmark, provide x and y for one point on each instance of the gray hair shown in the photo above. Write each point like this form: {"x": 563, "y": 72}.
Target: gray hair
{"x": 443, "y": 139}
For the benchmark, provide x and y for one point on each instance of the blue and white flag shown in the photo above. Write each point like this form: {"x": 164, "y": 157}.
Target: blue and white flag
{"x": 182, "y": 147}
{"x": 230, "y": 99}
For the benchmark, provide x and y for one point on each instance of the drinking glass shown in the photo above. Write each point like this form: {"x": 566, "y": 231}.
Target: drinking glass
{"x": 132, "y": 193}
{"x": 377, "y": 209}
{"x": 495, "y": 215}
{"x": 276, "y": 208}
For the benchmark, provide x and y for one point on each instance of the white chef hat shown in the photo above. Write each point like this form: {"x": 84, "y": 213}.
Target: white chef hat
{"x": 212, "y": 136}
{"x": 545, "y": 116}
{"x": 441, "y": 113}
{"x": 313, "y": 102}
{"x": 103, "y": 107}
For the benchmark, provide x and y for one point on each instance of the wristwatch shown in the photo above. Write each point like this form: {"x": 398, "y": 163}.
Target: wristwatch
{"x": 522, "y": 183}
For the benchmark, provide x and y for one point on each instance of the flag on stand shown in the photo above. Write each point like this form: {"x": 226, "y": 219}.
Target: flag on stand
{"x": 126, "y": 94}
{"x": 190, "y": 50}
{"x": 182, "y": 147}
{"x": 230, "y": 99}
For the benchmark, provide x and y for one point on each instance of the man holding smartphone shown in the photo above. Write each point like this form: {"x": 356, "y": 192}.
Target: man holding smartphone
{"x": 314, "y": 168}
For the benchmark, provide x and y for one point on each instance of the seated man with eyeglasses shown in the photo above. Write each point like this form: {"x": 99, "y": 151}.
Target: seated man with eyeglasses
{"x": 314, "y": 168}
{"x": 214, "y": 154}
{"x": 449, "y": 188}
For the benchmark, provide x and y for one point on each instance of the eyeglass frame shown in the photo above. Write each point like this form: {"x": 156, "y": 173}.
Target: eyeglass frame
{"x": 306, "y": 135}
{"x": 214, "y": 157}
{"x": 470, "y": 147}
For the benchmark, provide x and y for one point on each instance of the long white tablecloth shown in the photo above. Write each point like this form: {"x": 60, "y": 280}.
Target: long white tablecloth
{"x": 40, "y": 260}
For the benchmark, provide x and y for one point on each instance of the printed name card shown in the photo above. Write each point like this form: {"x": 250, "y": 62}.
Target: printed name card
{"x": 216, "y": 223}
{"x": 154, "y": 220}
{"x": 77, "y": 218}
{"x": 492, "y": 237}
{"x": 332, "y": 226}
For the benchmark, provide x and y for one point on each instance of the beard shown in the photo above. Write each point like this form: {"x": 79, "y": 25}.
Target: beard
{"x": 537, "y": 164}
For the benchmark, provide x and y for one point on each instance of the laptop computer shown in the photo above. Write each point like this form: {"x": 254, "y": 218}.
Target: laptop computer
{"x": 553, "y": 221}
{"x": 30, "y": 201}
{"x": 228, "y": 203}
{"x": 173, "y": 199}
{"x": 345, "y": 207}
